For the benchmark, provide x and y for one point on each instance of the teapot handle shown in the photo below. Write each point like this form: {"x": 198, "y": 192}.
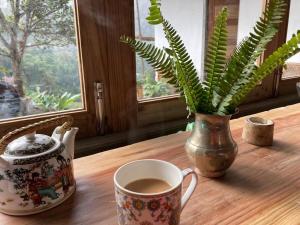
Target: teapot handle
{"x": 66, "y": 122}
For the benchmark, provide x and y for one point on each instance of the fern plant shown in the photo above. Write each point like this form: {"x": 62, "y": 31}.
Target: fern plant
{"x": 227, "y": 82}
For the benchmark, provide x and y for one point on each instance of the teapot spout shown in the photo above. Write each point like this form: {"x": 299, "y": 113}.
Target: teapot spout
{"x": 3, "y": 163}
{"x": 69, "y": 140}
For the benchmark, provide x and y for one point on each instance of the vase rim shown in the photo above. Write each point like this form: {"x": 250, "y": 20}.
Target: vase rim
{"x": 217, "y": 115}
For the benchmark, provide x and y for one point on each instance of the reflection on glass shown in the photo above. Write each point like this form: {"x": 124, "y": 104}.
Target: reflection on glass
{"x": 38, "y": 58}
{"x": 293, "y": 64}
{"x": 149, "y": 83}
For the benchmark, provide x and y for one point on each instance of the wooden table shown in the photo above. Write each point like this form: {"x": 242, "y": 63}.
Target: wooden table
{"x": 262, "y": 187}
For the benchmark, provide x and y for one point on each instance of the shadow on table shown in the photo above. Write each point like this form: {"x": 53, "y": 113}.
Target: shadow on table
{"x": 282, "y": 146}
{"x": 254, "y": 179}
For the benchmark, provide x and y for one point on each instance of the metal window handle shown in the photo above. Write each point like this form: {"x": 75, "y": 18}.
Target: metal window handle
{"x": 99, "y": 95}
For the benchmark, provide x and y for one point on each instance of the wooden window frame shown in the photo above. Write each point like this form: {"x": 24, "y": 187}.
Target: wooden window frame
{"x": 158, "y": 116}
{"x": 99, "y": 25}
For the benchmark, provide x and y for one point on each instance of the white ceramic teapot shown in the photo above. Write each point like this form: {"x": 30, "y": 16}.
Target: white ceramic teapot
{"x": 36, "y": 171}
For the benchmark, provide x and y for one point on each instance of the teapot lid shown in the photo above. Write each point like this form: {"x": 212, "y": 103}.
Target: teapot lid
{"x": 30, "y": 144}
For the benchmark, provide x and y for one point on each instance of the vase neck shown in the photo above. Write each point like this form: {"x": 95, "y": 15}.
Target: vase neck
{"x": 211, "y": 130}
{"x": 212, "y": 119}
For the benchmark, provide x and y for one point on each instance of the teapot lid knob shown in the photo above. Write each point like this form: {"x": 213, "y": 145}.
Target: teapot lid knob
{"x": 31, "y": 136}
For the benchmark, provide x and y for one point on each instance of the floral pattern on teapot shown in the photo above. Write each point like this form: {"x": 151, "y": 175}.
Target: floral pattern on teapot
{"x": 38, "y": 184}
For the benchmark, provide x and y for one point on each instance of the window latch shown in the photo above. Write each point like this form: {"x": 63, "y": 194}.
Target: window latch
{"x": 99, "y": 95}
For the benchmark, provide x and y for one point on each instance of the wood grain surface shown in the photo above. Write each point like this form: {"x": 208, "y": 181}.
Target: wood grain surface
{"x": 262, "y": 187}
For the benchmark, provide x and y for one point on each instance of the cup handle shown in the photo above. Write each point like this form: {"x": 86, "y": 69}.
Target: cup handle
{"x": 191, "y": 188}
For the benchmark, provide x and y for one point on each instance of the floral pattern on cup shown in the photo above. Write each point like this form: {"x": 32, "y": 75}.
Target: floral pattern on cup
{"x": 142, "y": 210}
{"x": 163, "y": 208}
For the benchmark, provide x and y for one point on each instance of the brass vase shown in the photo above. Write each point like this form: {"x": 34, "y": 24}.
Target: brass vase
{"x": 211, "y": 147}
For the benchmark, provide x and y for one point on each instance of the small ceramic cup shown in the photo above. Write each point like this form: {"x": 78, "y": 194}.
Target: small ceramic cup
{"x": 258, "y": 131}
{"x": 151, "y": 209}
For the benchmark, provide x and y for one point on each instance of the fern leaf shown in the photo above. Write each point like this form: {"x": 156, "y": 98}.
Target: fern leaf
{"x": 155, "y": 16}
{"x": 215, "y": 59}
{"x": 156, "y": 57}
{"x": 238, "y": 61}
{"x": 275, "y": 60}
{"x": 242, "y": 62}
{"x": 185, "y": 70}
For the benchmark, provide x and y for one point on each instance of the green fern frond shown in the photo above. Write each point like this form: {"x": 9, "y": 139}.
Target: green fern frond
{"x": 156, "y": 57}
{"x": 185, "y": 70}
{"x": 276, "y": 59}
{"x": 215, "y": 59}
{"x": 237, "y": 62}
{"x": 155, "y": 16}
{"x": 242, "y": 62}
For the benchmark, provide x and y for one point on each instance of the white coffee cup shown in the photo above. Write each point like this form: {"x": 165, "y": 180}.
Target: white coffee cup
{"x": 162, "y": 208}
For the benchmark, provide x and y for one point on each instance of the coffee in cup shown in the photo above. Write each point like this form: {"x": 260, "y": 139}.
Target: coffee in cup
{"x": 147, "y": 186}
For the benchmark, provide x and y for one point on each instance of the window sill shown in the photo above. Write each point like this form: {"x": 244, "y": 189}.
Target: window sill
{"x": 97, "y": 144}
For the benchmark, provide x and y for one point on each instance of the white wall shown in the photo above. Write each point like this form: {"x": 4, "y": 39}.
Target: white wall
{"x": 250, "y": 11}
{"x": 294, "y": 25}
{"x": 187, "y": 17}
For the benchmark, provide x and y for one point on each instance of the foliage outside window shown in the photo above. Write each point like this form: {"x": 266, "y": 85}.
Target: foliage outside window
{"x": 38, "y": 58}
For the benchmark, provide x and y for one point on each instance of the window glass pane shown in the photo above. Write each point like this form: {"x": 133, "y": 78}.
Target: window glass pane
{"x": 179, "y": 14}
{"x": 248, "y": 15}
{"x": 38, "y": 58}
{"x": 293, "y": 64}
